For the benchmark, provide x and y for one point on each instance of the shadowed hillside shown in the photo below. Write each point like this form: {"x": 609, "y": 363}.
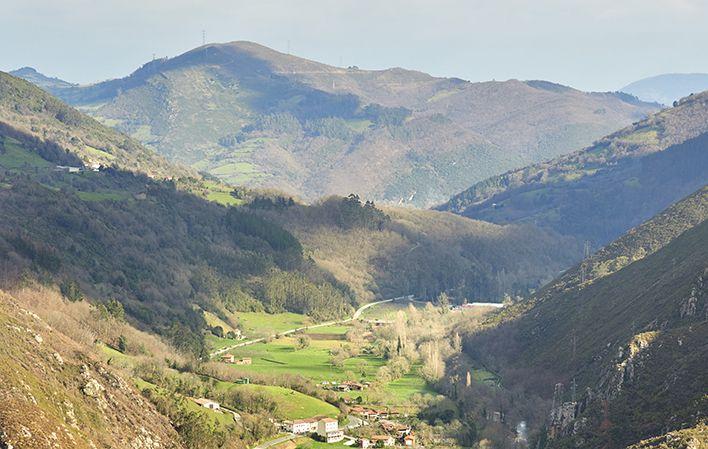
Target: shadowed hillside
{"x": 601, "y": 191}
{"x": 626, "y": 344}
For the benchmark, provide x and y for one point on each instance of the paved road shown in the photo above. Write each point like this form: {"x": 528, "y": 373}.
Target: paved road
{"x": 356, "y": 316}
{"x": 276, "y": 441}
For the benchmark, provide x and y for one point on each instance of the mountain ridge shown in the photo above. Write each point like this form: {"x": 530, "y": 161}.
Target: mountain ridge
{"x": 599, "y": 192}
{"x": 257, "y": 117}
{"x": 667, "y": 88}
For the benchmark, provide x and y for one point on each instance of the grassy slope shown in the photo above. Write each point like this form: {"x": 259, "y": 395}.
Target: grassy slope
{"x": 322, "y": 144}
{"x": 25, "y": 106}
{"x": 280, "y": 357}
{"x": 291, "y": 404}
{"x": 600, "y": 192}
{"x": 43, "y": 404}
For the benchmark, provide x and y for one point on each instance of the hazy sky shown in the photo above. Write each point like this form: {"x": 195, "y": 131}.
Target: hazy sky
{"x": 588, "y": 44}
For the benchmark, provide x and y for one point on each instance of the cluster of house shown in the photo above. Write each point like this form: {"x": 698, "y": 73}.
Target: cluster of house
{"x": 230, "y": 358}
{"x": 370, "y": 413}
{"x": 403, "y": 433}
{"x": 347, "y": 385}
{"x": 327, "y": 429}
{"x": 386, "y": 441}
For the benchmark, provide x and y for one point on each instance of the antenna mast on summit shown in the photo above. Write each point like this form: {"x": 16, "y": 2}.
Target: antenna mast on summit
{"x": 203, "y": 37}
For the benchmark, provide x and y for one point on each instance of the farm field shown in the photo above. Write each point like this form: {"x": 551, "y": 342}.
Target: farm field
{"x": 291, "y": 404}
{"x": 256, "y": 325}
{"x": 15, "y": 157}
{"x": 280, "y": 357}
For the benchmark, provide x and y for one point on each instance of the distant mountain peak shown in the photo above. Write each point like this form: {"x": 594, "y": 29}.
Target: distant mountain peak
{"x": 35, "y": 77}
{"x": 668, "y": 87}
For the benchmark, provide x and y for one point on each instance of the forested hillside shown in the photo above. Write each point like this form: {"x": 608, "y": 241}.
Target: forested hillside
{"x": 392, "y": 251}
{"x": 253, "y": 116}
{"x": 164, "y": 253}
{"x": 34, "y": 112}
{"x": 600, "y": 192}
{"x": 625, "y": 342}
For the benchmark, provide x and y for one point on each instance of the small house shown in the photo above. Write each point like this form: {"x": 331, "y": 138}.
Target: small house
{"x": 207, "y": 403}
{"x": 353, "y": 386}
{"x": 243, "y": 361}
{"x": 401, "y": 430}
{"x": 409, "y": 440}
{"x": 228, "y": 358}
{"x": 328, "y": 430}
{"x": 383, "y": 440}
{"x": 364, "y": 443}
{"x": 300, "y": 426}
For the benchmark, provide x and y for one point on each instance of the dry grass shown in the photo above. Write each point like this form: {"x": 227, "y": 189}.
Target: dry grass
{"x": 78, "y": 321}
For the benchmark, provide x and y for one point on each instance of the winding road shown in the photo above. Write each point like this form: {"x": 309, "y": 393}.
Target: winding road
{"x": 356, "y": 316}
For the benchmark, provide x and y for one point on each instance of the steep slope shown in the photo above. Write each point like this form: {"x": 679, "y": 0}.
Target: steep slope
{"x": 55, "y": 393}
{"x": 34, "y": 112}
{"x": 667, "y": 88}
{"x": 256, "y": 117}
{"x": 603, "y": 190}
{"x": 627, "y": 346}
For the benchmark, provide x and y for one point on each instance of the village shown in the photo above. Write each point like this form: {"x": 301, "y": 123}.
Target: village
{"x": 327, "y": 429}
{"x": 359, "y": 405}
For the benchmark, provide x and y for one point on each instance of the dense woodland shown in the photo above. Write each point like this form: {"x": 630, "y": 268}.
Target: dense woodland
{"x": 155, "y": 249}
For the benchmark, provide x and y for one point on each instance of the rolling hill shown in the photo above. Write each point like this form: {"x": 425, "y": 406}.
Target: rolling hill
{"x": 667, "y": 88}
{"x": 161, "y": 249}
{"x": 598, "y": 193}
{"x": 253, "y": 116}
{"x": 625, "y": 345}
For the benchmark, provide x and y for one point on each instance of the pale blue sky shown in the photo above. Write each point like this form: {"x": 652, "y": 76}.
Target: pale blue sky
{"x": 591, "y": 45}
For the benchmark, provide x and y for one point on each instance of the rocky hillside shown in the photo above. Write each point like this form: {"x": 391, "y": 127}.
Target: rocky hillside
{"x": 600, "y": 192}
{"x": 56, "y": 393}
{"x": 620, "y": 352}
{"x": 253, "y": 116}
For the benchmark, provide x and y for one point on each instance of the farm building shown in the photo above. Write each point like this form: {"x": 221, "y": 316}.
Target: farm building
{"x": 300, "y": 426}
{"x": 208, "y": 403}
{"x": 228, "y": 358}
{"x": 383, "y": 440}
{"x": 409, "y": 440}
{"x": 243, "y": 361}
{"x": 350, "y": 385}
{"x": 328, "y": 430}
